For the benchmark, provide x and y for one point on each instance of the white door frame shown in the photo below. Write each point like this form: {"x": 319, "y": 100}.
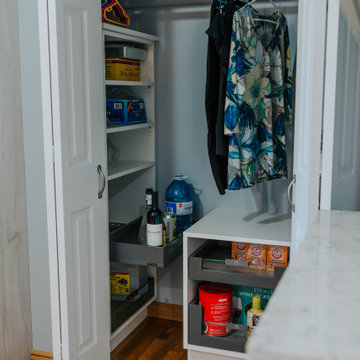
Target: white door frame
{"x": 308, "y": 115}
{"x": 49, "y": 177}
{"x": 329, "y": 103}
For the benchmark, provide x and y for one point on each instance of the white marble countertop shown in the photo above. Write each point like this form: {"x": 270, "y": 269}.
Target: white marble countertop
{"x": 315, "y": 311}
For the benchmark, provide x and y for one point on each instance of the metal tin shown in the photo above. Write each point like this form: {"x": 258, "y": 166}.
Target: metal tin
{"x": 124, "y": 51}
{"x": 170, "y": 224}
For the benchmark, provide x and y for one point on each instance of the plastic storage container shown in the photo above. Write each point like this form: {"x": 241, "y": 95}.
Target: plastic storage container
{"x": 125, "y": 112}
{"x": 125, "y": 280}
{"x": 179, "y": 201}
{"x": 216, "y": 300}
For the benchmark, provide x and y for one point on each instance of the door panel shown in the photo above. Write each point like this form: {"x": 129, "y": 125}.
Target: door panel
{"x": 308, "y": 112}
{"x": 83, "y": 262}
{"x": 77, "y": 77}
{"x": 77, "y": 66}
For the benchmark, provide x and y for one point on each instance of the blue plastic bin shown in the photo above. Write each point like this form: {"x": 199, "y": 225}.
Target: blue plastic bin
{"x": 125, "y": 112}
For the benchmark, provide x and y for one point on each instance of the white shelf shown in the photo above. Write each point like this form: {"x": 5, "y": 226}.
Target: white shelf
{"x": 122, "y": 128}
{"x": 118, "y": 32}
{"x": 243, "y": 225}
{"x": 128, "y": 83}
{"x": 126, "y": 167}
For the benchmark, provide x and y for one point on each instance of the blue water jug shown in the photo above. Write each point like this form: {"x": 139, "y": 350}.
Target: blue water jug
{"x": 179, "y": 201}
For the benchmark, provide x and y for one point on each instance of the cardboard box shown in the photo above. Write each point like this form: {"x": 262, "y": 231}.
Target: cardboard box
{"x": 276, "y": 256}
{"x": 256, "y": 256}
{"x": 122, "y": 69}
{"x": 238, "y": 250}
{"x": 242, "y": 300}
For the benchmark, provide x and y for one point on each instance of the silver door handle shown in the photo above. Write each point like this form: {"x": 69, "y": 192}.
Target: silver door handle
{"x": 103, "y": 182}
{"x": 293, "y": 181}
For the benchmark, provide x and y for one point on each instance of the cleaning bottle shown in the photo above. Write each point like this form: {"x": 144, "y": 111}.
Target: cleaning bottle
{"x": 254, "y": 315}
{"x": 179, "y": 201}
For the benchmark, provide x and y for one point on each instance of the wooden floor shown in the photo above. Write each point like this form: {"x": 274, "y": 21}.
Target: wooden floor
{"x": 154, "y": 339}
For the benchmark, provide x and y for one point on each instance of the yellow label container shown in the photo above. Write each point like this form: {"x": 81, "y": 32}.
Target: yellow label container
{"x": 122, "y": 69}
{"x": 119, "y": 283}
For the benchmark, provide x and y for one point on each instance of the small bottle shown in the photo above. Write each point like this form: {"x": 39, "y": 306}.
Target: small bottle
{"x": 154, "y": 223}
{"x": 148, "y": 204}
{"x": 254, "y": 315}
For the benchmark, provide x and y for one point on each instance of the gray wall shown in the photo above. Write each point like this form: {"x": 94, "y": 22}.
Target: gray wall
{"x": 15, "y": 322}
{"x": 35, "y": 176}
{"x": 181, "y": 123}
{"x": 346, "y": 150}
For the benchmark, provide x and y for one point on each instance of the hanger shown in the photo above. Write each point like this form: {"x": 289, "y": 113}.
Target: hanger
{"x": 264, "y": 20}
{"x": 270, "y": 1}
{"x": 222, "y": 3}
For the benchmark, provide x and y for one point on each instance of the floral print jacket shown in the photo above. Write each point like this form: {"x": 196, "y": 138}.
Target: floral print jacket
{"x": 258, "y": 99}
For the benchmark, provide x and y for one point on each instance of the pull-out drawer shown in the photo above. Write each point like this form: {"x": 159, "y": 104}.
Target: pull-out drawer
{"x": 212, "y": 262}
{"x": 234, "y": 341}
{"x": 126, "y": 248}
{"x": 123, "y": 310}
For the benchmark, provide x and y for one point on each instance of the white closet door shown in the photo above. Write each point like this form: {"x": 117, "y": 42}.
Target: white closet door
{"x": 309, "y": 112}
{"x": 77, "y": 66}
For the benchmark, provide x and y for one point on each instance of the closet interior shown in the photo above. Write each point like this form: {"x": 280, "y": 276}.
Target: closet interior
{"x": 173, "y": 139}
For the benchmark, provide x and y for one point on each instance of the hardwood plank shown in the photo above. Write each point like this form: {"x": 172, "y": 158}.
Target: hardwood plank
{"x": 154, "y": 339}
{"x": 166, "y": 311}
{"x": 37, "y": 357}
{"x": 41, "y": 355}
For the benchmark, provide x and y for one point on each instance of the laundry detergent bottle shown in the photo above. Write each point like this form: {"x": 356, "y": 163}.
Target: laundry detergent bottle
{"x": 179, "y": 201}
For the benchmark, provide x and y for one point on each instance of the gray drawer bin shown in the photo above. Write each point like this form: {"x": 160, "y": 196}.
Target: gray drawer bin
{"x": 123, "y": 310}
{"x": 126, "y": 248}
{"x": 234, "y": 341}
{"x": 208, "y": 263}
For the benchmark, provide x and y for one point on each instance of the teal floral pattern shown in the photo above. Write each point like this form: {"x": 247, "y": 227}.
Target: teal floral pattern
{"x": 258, "y": 98}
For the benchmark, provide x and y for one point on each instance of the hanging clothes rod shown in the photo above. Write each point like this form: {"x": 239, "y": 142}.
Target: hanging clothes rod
{"x": 142, "y": 4}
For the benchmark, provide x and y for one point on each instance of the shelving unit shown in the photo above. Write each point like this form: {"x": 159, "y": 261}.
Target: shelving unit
{"x": 207, "y": 246}
{"x": 131, "y": 169}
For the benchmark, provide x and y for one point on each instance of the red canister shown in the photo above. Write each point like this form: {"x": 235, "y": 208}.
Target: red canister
{"x": 216, "y": 299}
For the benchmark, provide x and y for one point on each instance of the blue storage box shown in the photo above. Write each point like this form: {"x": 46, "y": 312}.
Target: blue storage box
{"x": 125, "y": 112}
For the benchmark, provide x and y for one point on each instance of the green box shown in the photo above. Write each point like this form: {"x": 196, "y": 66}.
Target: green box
{"x": 242, "y": 300}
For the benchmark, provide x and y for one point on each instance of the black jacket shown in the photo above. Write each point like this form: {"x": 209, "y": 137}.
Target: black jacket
{"x": 219, "y": 42}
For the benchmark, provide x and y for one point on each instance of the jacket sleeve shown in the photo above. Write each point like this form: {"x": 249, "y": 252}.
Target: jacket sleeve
{"x": 235, "y": 72}
{"x": 288, "y": 91}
